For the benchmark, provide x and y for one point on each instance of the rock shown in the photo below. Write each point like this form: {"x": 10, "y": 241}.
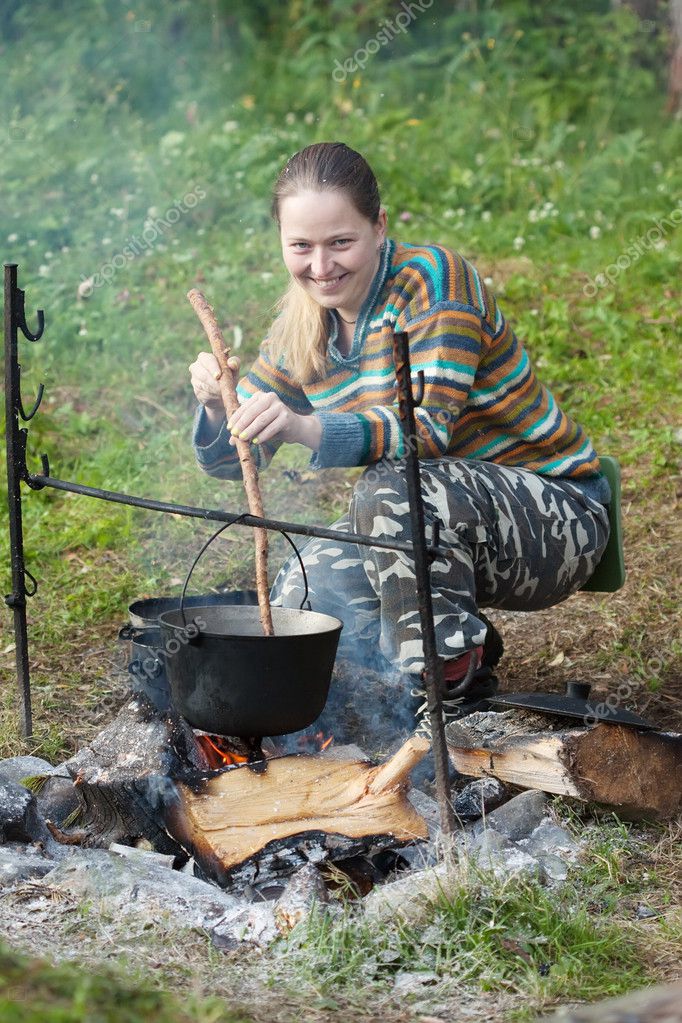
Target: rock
{"x": 143, "y": 855}
{"x": 409, "y": 897}
{"x": 304, "y": 892}
{"x": 21, "y": 863}
{"x": 549, "y": 838}
{"x": 552, "y": 868}
{"x": 253, "y": 924}
{"x": 493, "y": 851}
{"x": 410, "y": 982}
{"x": 480, "y": 797}
{"x": 17, "y": 768}
{"x": 19, "y": 818}
{"x": 141, "y": 887}
{"x": 518, "y": 818}
{"x": 424, "y": 854}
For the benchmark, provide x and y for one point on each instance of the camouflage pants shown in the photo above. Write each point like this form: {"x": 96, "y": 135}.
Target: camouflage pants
{"x": 517, "y": 541}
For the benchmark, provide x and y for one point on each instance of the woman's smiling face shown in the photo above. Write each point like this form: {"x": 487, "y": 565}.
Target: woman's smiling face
{"x": 330, "y": 248}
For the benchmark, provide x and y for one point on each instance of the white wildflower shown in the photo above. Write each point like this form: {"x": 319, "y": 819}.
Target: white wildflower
{"x": 32, "y": 242}
{"x": 480, "y": 159}
{"x": 106, "y": 241}
{"x": 86, "y": 287}
{"x": 230, "y": 126}
{"x": 448, "y": 214}
{"x": 83, "y": 331}
{"x": 290, "y": 118}
{"x": 595, "y": 232}
{"x": 13, "y": 237}
{"x": 309, "y": 117}
{"x": 533, "y": 216}
{"x": 43, "y": 270}
{"x": 486, "y": 216}
{"x": 657, "y": 167}
{"x": 94, "y": 178}
{"x": 488, "y": 281}
{"x": 519, "y": 242}
{"x": 266, "y": 275}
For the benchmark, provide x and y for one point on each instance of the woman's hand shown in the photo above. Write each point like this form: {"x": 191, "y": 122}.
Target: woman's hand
{"x": 205, "y": 376}
{"x": 265, "y": 417}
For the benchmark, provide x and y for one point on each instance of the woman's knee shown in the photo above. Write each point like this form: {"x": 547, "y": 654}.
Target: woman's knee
{"x": 380, "y": 490}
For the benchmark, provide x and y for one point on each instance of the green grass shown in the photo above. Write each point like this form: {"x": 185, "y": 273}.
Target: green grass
{"x": 33, "y": 991}
{"x": 579, "y": 942}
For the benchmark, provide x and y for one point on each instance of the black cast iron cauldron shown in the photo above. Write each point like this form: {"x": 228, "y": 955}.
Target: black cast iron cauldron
{"x": 227, "y": 678}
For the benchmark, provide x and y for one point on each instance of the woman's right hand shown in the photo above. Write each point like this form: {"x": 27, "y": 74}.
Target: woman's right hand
{"x": 205, "y": 376}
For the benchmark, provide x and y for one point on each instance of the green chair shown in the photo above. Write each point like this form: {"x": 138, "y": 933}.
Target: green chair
{"x": 609, "y": 575}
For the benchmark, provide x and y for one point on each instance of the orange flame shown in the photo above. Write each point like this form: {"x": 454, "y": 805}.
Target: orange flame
{"x": 327, "y": 742}
{"x": 224, "y": 758}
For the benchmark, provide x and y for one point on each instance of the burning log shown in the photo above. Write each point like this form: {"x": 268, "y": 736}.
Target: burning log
{"x": 326, "y": 799}
{"x": 249, "y": 472}
{"x": 637, "y": 772}
{"x": 150, "y": 776}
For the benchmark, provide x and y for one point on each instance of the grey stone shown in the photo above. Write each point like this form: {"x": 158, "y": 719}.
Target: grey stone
{"x": 410, "y": 982}
{"x": 480, "y": 796}
{"x": 58, "y": 799}
{"x": 251, "y": 924}
{"x": 423, "y": 853}
{"x": 492, "y": 851}
{"x": 21, "y": 863}
{"x": 17, "y": 768}
{"x": 142, "y": 855}
{"x": 552, "y": 868}
{"x": 142, "y": 888}
{"x": 304, "y": 892}
{"x": 549, "y": 838}
{"x": 409, "y": 897}
{"x": 518, "y": 818}
{"x": 19, "y": 819}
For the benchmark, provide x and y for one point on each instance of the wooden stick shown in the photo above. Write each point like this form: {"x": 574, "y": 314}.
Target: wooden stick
{"x": 249, "y": 472}
{"x": 393, "y": 772}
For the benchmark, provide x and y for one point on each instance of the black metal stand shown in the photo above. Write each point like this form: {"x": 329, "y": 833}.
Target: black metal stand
{"x": 15, "y": 320}
{"x": 423, "y": 555}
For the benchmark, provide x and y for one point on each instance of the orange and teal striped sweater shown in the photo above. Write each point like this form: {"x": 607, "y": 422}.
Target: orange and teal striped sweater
{"x": 482, "y": 399}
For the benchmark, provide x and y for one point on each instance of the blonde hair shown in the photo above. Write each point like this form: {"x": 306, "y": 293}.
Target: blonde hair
{"x": 298, "y": 336}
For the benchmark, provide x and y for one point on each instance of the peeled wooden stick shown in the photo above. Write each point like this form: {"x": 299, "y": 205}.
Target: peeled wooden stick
{"x": 249, "y": 472}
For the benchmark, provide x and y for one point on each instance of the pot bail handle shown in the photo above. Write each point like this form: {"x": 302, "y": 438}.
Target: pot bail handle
{"x": 210, "y": 540}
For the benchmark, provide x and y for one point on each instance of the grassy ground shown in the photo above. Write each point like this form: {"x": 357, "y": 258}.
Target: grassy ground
{"x": 540, "y": 151}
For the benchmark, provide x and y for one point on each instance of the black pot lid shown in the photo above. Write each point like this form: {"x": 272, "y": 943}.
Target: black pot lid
{"x": 574, "y": 703}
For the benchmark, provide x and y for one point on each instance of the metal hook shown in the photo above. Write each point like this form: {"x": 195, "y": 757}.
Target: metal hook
{"x": 20, "y": 405}
{"x": 32, "y": 592}
{"x": 21, "y": 319}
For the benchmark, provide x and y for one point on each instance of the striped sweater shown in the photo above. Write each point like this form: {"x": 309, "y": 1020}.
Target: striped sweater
{"x": 482, "y": 399}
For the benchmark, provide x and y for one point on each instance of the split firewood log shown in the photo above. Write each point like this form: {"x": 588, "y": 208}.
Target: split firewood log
{"x": 237, "y": 815}
{"x": 637, "y": 772}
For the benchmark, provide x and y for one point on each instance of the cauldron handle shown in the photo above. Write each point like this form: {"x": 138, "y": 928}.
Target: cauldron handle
{"x": 210, "y": 541}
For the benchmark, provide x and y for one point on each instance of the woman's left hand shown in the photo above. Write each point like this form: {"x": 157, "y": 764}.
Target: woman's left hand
{"x": 265, "y": 417}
